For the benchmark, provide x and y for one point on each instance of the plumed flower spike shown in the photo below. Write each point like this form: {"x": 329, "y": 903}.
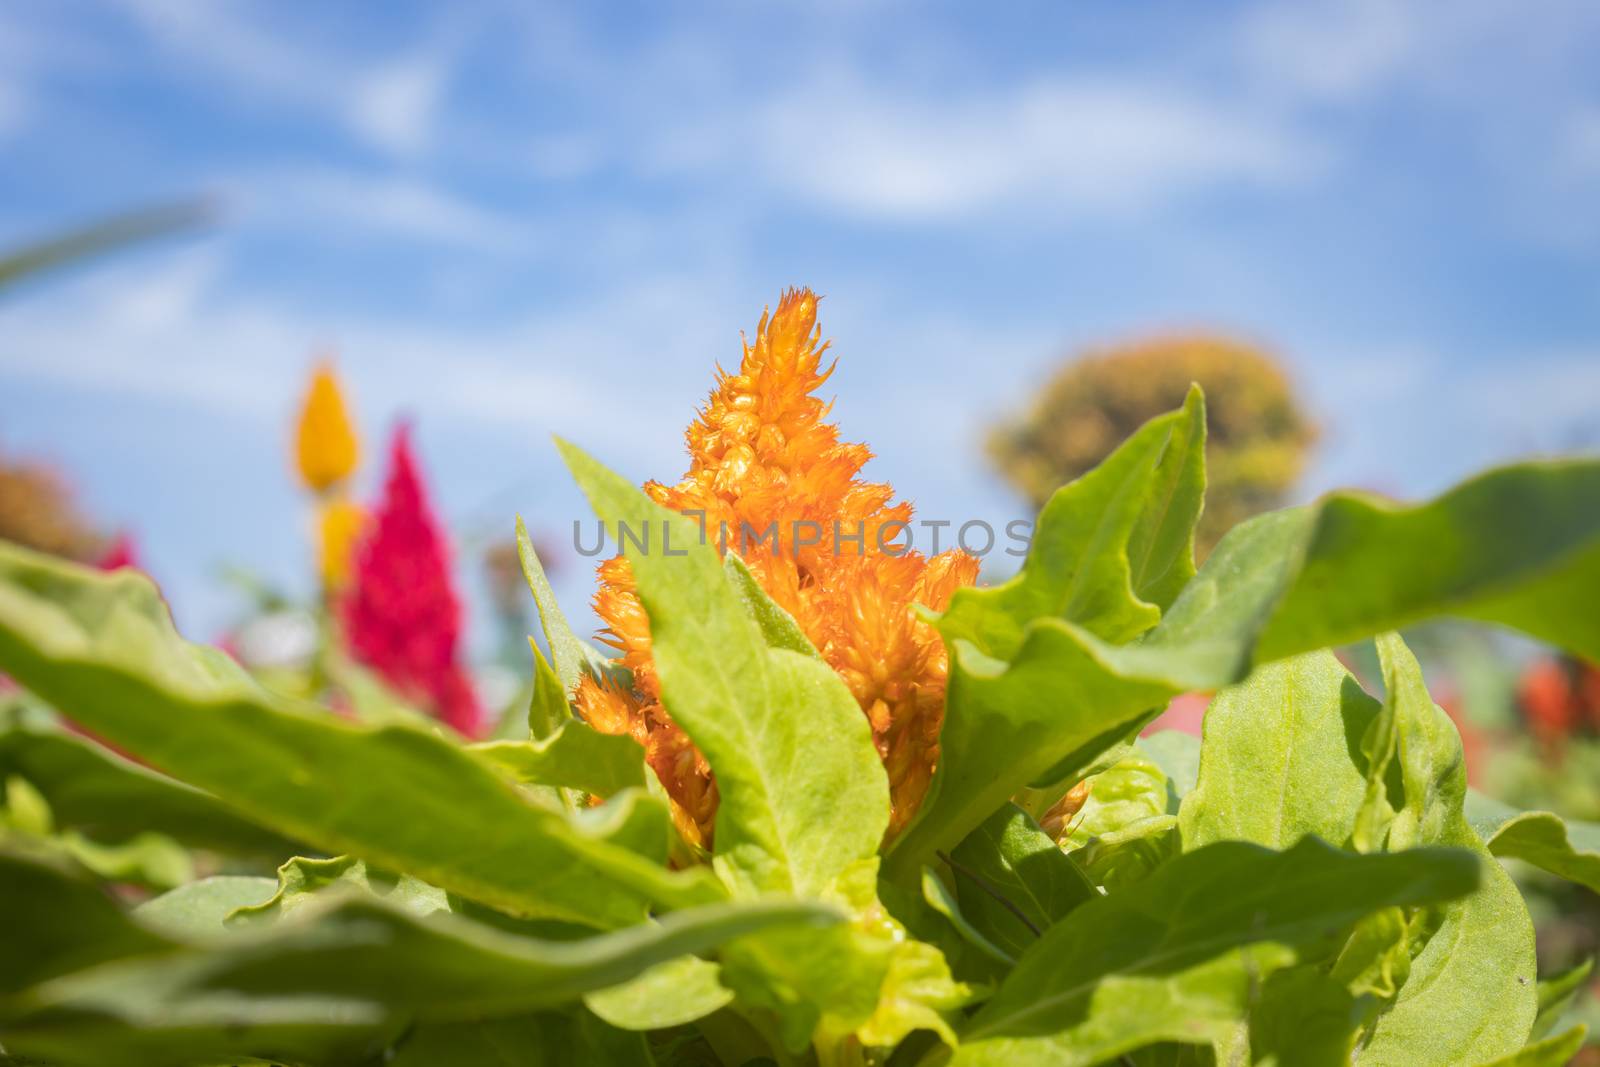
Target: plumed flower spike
{"x": 761, "y": 451}
{"x": 401, "y": 613}
{"x": 326, "y": 450}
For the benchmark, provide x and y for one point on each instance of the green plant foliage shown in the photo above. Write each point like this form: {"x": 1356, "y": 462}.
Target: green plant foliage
{"x": 104, "y": 646}
{"x": 1278, "y": 585}
{"x": 1310, "y": 883}
{"x": 1160, "y": 961}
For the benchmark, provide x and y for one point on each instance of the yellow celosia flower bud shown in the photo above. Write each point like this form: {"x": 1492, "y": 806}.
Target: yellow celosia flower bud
{"x": 338, "y": 525}
{"x": 326, "y": 445}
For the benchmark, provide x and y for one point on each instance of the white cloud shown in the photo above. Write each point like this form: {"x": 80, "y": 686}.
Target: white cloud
{"x": 395, "y": 106}
{"x": 1338, "y": 50}
{"x": 333, "y": 200}
{"x": 391, "y": 102}
{"x": 1068, "y": 145}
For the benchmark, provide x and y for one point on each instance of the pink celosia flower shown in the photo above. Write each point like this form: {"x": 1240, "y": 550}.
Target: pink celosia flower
{"x": 122, "y": 553}
{"x": 401, "y": 614}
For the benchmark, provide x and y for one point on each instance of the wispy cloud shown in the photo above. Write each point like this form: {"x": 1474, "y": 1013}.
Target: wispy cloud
{"x": 1058, "y": 145}
{"x": 390, "y": 101}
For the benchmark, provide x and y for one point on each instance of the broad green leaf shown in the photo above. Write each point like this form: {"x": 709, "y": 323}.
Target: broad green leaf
{"x": 361, "y": 961}
{"x": 1551, "y": 1052}
{"x": 109, "y": 798}
{"x": 1556, "y": 995}
{"x": 1570, "y": 851}
{"x": 1519, "y": 546}
{"x": 144, "y": 859}
{"x": 543, "y": 1039}
{"x": 1470, "y": 995}
{"x": 576, "y": 756}
{"x": 58, "y": 921}
{"x": 198, "y": 910}
{"x": 103, "y": 645}
{"x": 1177, "y": 956}
{"x": 803, "y": 794}
{"x": 1128, "y": 523}
{"x": 669, "y": 994}
{"x": 1280, "y": 757}
{"x": 1013, "y": 882}
{"x": 1302, "y": 1018}
{"x": 360, "y": 947}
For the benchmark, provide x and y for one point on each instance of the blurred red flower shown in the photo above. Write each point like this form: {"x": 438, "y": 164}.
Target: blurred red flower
{"x": 401, "y": 614}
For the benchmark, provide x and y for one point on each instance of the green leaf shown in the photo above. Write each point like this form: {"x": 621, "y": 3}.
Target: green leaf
{"x": 942, "y": 899}
{"x": 576, "y": 756}
{"x": 803, "y": 794}
{"x": 1376, "y": 960}
{"x": 1556, "y": 995}
{"x": 777, "y": 625}
{"x": 1302, "y": 1019}
{"x": 1160, "y": 961}
{"x": 543, "y": 1039}
{"x": 1544, "y": 840}
{"x": 1470, "y": 995}
{"x": 1280, "y": 757}
{"x": 573, "y": 656}
{"x": 197, "y": 910}
{"x": 548, "y": 709}
{"x": 1130, "y": 790}
{"x": 58, "y": 921}
{"x": 1013, "y": 882}
{"x": 109, "y": 798}
{"x": 1128, "y": 522}
{"x": 303, "y": 882}
{"x": 1518, "y": 546}
{"x": 669, "y": 994}
{"x": 103, "y": 645}
{"x": 1551, "y": 1052}
{"x": 1178, "y": 755}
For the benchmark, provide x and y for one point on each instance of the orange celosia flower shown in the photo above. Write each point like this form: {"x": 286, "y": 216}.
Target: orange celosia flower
{"x": 761, "y": 452}
{"x": 338, "y": 525}
{"x": 326, "y": 447}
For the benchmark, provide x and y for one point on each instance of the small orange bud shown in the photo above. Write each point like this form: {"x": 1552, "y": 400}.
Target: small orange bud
{"x": 326, "y": 445}
{"x": 339, "y": 523}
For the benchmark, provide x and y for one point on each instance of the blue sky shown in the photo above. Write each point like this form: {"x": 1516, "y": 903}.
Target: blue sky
{"x": 509, "y": 220}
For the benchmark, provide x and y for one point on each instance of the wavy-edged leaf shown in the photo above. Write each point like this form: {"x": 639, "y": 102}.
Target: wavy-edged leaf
{"x": 1470, "y": 995}
{"x": 803, "y": 793}
{"x": 1518, "y": 546}
{"x": 198, "y": 910}
{"x": 103, "y": 645}
{"x": 1162, "y": 960}
{"x": 1567, "y": 850}
{"x": 1127, "y": 525}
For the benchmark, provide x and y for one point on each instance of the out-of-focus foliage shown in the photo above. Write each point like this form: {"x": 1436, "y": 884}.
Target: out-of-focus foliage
{"x": 37, "y": 510}
{"x": 1258, "y": 435}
